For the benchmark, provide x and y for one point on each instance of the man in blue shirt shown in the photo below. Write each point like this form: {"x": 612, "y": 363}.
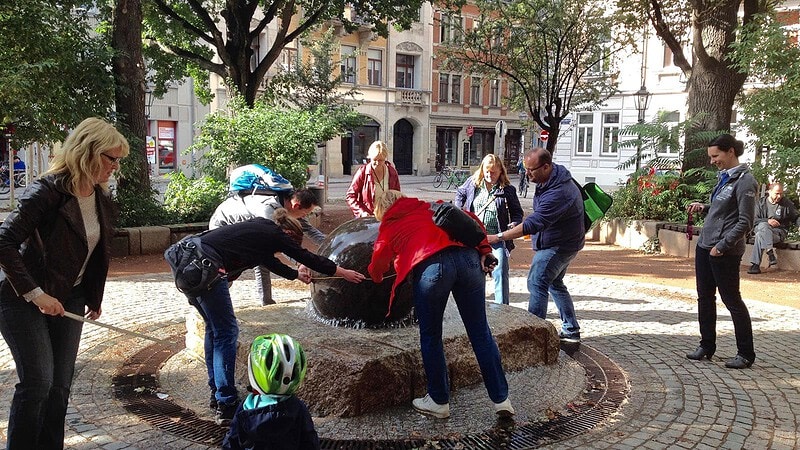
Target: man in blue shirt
{"x": 557, "y": 234}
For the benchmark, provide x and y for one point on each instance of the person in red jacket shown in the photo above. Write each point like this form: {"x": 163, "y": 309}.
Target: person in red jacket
{"x": 438, "y": 266}
{"x": 371, "y": 180}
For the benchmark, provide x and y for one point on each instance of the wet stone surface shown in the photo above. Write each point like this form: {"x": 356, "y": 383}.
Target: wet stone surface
{"x": 341, "y": 303}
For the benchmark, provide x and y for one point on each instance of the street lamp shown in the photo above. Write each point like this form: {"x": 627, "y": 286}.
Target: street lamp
{"x": 641, "y": 99}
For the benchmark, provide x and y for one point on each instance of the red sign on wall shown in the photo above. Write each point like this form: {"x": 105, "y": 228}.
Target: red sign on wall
{"x": 470, "y": 130}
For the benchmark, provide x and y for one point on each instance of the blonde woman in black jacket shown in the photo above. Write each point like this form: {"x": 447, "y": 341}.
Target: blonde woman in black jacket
{"x": 54, "y": 253}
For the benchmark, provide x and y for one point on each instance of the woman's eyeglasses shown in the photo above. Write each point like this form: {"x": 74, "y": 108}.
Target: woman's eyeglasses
{"x": 112, "y": 159}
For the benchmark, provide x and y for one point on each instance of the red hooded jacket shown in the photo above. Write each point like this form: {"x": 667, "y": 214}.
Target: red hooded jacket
{"x": 407, "y": 236}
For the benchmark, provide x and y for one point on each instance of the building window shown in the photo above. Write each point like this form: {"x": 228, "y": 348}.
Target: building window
{"x": 405, "y": 71}
{"x": 585, "y": 134}
{"x": 288, "y": 59}
{"x": 610, "y": 133}
{"x": 455, "y": 92}
{"x": 374, "y": 67}
{"x": 475, "y": 91}
{"x": 348, "y": 64}
{"x": 667, "y": 56}
{"x": 671, "y": 119}
{"x": 481, "y": 144}
{"x": 449, "y": 88}
{"x": 494, "y": 93}
{"x": 450, "y": 28}
{"x": 444, "y": 87}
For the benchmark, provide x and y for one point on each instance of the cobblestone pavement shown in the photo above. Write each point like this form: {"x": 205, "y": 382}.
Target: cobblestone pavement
{"x": 646, "y": 329}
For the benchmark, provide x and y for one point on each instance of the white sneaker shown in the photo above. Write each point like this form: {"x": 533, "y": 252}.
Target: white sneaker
{"x": 426, "y": 405}
{"x": 504, "y": 408}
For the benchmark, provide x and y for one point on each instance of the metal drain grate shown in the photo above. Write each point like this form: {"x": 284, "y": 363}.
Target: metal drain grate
{"x": 135, "y": 385}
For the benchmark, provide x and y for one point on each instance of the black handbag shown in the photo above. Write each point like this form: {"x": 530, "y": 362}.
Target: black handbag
{"x": 195, "y": 270}
{"x": 458, "y": 225}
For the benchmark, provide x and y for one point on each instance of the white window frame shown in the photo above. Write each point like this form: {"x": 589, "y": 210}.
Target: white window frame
{"x": 450, "y": 87}
{"x": 451, "y": 27}
{"x": 476, "y": 91}
{"x": 584, "y": 134}
{"x": 610, "y": 123}
{"x": 348, "y": 64}
{"x": 494, "y": 92}
{"x": 375, "y": 67}
{"x": 408, "y": 71}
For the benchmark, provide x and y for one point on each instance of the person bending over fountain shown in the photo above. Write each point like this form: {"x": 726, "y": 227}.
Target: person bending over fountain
{"x": 438, "y": 266}
{"x": 235, "y": 248}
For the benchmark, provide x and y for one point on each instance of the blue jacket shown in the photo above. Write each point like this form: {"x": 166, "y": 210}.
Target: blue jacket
{"x": 284, "y": 425}
{"x": 557, "y": 218}
{"x": 508, "y": 208}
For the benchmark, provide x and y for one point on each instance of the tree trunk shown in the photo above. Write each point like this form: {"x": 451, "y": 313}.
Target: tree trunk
{"x": 128, "y": 68}
{"x": 712, "y": 84}
{"x": 711, "y": 94}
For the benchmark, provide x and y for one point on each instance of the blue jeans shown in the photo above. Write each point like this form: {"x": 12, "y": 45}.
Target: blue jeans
{"x": 721, "y": 273}
{"x": 222, "y": 333}
{"x": 44, "y": 350}
{"x": 545, "y": 278}
{"x": 456, "y": 270}
{"x": 500, "y": 274}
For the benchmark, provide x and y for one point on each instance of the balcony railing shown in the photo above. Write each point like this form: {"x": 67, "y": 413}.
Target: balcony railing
{"x": 410, "y": 96}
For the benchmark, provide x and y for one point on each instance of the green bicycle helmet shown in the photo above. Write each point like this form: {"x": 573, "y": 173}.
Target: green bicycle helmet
{"x": 277, "y": 364}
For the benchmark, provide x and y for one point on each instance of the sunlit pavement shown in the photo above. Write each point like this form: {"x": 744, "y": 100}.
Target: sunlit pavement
{"x": 646, "y": 329}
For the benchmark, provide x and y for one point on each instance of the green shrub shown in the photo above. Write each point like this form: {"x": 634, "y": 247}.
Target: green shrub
{"x": 662, "y": 197}
{"x": 137, "y": 208}
{"x": 193, "y": 199}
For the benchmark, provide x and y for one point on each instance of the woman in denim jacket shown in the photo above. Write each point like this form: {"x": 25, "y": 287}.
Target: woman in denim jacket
{"x": 729, "y": 217}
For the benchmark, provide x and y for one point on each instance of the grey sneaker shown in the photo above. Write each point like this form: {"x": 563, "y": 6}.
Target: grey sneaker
{"x": 504, "y": 408}
{"x": 569, "y": 338}
{"x": 427, "y": 406}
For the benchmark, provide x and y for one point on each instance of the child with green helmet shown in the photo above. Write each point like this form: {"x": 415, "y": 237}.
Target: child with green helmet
{"x": 272, "y": 417}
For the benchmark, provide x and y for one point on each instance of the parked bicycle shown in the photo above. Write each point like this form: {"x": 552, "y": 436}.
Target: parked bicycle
{"x": 523, "y": 185}
{"x": 5, "y": 184}
{"x": 454, "y": 177}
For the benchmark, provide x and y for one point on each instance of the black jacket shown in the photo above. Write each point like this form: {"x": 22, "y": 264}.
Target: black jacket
{"x": 509, "y": 210}
{"x": 53, "y": 263}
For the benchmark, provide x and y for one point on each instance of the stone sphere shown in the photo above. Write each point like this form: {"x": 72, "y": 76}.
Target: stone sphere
{"x": 340, "y": 302}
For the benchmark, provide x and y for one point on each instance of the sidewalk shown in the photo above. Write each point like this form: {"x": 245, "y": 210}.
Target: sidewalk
{"x": 641, "y": 318}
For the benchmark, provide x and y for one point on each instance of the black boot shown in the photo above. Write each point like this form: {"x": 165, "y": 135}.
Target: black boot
{"x": 754, "y": 269}
{"x": 773, "y": 260}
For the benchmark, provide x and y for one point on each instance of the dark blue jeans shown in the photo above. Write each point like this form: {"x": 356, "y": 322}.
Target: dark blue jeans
{"x": 721, "y": 273}
{"x": 44, "y": 350}
{"x": 546, "y": 278}
{"x": 456, "y": 270}
{"x": 222, "y": 333}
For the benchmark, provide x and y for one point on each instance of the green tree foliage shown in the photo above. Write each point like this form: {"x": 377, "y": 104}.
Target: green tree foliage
{"x": 218, "y": 37}
{"x": 53, "y": 71}
{"x": 193, "y": 200}
{"x": 282, "y": 139}
{"x": 558, "y": 55}
{"x": 771, "y": 111}
{"x": 706, "y": 29}
{"x": 314, "y": 83}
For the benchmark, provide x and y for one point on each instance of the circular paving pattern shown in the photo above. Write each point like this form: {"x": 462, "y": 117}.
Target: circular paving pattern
{"x": 136, "y": 387}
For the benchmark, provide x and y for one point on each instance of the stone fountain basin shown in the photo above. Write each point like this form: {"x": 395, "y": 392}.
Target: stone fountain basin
{"x": 355, "y": 371}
